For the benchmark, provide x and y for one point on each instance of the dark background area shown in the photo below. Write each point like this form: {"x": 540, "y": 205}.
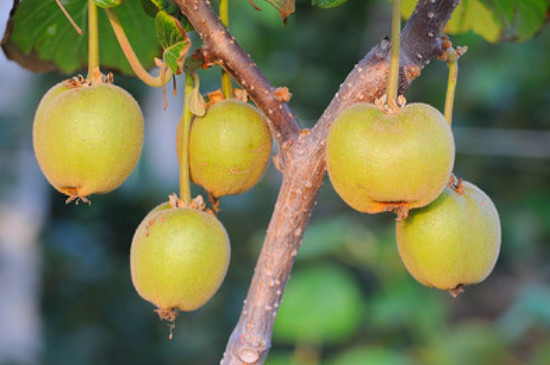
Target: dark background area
{"x": 87, "y": 311}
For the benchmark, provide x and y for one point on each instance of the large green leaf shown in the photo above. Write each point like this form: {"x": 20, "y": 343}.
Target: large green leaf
{"x": 43, "y": 40}
{"x": 495, "y": 20}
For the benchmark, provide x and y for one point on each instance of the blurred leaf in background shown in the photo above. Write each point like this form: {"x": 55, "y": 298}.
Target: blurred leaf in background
{"x": 323, "y": 304}
{"x": 370, "y": 355}
{"x": 495, "y": 20}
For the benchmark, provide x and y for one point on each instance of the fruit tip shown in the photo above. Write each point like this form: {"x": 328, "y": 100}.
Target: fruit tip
{"x": 74, "y": 196}
{"x": 169, "y": 316}
{"x": 456, "y": 184}
{"x": 456, "y": 291}
{"x": 215, "y": 201}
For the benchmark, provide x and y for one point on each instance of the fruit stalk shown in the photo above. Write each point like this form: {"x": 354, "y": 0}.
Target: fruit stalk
{"x": 185, "y": 191}
{"x": 221, "y": 46}
{"x": 452, "y": 63}
{"x": 227, "y": 89}
{"x": 69, "y": 18}
{"x": 93, "y": 41}
{"x": 137, "y": 67}
{"x": 393, "y": 77}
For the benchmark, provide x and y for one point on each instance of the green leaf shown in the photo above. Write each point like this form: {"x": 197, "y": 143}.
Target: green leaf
{"x": 169, "y": 30}
{"x": 43, "y": 40}
{"x": 332, "y": 236}
{"x": 107, "y": 4}
{"x": 166, "y": 6}
{"x": 149, "y": 7}
{"x": 174, "y": 56}
{"x": 496, "y": 20}
{"x": 285, "y": 7}
{"x": 402, "y": 303}
{"x": 322, "y": 304}
{"x": 328, "y": 3}
{"x": 468, "y": 342}
{"x": 152, "y": 7}
{"x": 475, "y": 16}
{"x": 370, "y": 355}
{"x": 529, "y": 311}
{"x": 281, "y": 357}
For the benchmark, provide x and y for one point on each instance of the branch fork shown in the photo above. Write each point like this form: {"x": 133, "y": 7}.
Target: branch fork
{"x": 301, "y": 159}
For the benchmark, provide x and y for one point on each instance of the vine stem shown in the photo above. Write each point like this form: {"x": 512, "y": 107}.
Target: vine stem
{"x": 69, "y": 18}
{"x": 186, "y": 117}
{"x": 154, "y": 81}
{"x": 227, "y": 88}
{"x": 93, "y": 41}
{"x": 393, "y": 77}
{"x": 452, "y": 63}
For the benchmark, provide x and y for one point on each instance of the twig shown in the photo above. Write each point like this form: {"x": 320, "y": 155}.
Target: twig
{"x": 223, "y": 48}
{"x": 304, "y": 166}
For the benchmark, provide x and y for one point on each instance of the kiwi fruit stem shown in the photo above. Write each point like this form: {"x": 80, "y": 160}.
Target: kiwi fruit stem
{"x": 227, "y": 88}
{"x": 393, "y": 77}
{"x": 452, "y": 63}
{"x": 93, "y": 42}
{"x": 185, "y": 190}
{"x": 154, "y": 81}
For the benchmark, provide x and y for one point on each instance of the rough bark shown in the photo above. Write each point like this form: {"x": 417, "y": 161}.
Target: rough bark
{"x": 301, "y": 158}
{"x": 222, "y": 48}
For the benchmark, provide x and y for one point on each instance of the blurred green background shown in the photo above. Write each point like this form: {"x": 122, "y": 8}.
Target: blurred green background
{"x": 65, "y": 290}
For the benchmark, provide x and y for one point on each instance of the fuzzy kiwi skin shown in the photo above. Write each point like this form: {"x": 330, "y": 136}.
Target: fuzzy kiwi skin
{"x": 229, "y": 148}
{"x": 380, "y": 162}
{"x": 87, "y": 139}
{"x": 454, "y": 241}
{"x": 179, "y": 257}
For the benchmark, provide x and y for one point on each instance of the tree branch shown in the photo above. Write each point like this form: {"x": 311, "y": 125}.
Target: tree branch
{"x": 304, "y": 166}
{"x": 224, "y": 49}
{"x": 420, "y": 43}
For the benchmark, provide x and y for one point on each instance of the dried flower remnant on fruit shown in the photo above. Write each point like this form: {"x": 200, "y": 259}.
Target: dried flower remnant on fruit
{"x": 457, "y": 291}
{"x": 394, "y": 105}
{"x": 214, "y": 97}
{"x": 72, "y": 192}
{"x": 456, "y": 184}
{"x": 169, "y": 316}
{"x": 196, "y": 203}
{"x": 241, "y": 94}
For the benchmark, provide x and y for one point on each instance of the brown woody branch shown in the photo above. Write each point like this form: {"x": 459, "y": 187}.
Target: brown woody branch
{"x": 223, "y": 48}
{"x": 303, "y": 152}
